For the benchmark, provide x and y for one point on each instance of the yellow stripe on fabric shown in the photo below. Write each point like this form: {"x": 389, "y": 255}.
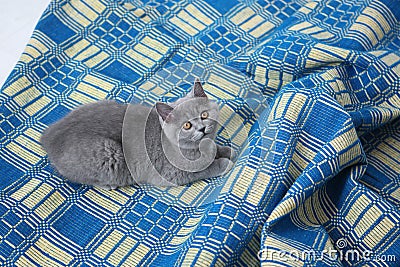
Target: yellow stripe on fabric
{"x": 140, "y": 58}
{"x": 22, "y": 152}
{"x": 357, "y": 208}
{"x": 191, "y": 253}
{"x": 396, "y": 194}
{"x": 84, "y": 9}
{"x": 91, "y": 90}
{"x": 108, "y": 243}
{"x": 385, "y": 149}
{"x": 39, "y": 46}
{"x": 183, "y": 15}
{"x": 25, "y": 57}
{"x": 27, "y": 143}
{"x": 77, "y": 48}
{"x": 391, "y": 59}
{"x": 37, "y": 196}
{"x": 246, "y": 179}
{"x": 275, "y": 246}
{"x": 323, "y": 35}
{"x": 36, "y": 258}
{"x": 258, "y": 188}
{"x": 206, "y": 257}
{"x": 281, "y": 105}
{"x": 93, "y": 61}
{"x": 102, "y": 201}
{"x": 99, "y": 82}
{"x": 53, "y": 251}
{"x": 25, "y": 189}
{"x": 116, "y": 196}
{"x": 17, "y": 86}
{"x": 84, "y": 51}
{"x": 283, "y": 208}
{"x": 303, "y": 27}
{"x": 242, "y": 15}
{"x": 254, "y": 21}
{"x": 32, "y": 52}
{"x": 51, "y": 204}
{"x": 22, "y": 261}
{"x": 323, "y": 56}
{"x": 38, "y": 105}
{"x": 344, "y": 140}
{"x": 88, "y": 52}
{"x": 234, "y": 122}
{"x": 190, "y": 194}
{"x": 374, "y": 25}
{"x": 364, "y": 30}
{"x": 141, "y": 14}
{"x": 225, "y": 84}
{"x": 307, "y": 8}
{"x": 148, "y": 85}
{"x": 34, "y": 134}
{"x": 180, "y": 24}
{"x": 185, "y": 231}
{"x": 304, "y": 212}
{"x": 297, "y": 103}
{"x": 302, "y": 156}
{"x": 136, "y": 256}
{"x": 121, "y": 251}
{"x": 198, "y": 14}
{"x": 368, "y": 218}
{"x": 96, "y": 5}
{"x": 156, "y": 45}
{"x": 230, "y": 180}
{"x": 73, "y": 14}
{"x": 145, "y": 50}
{"x": 378, "y": 233}
{"x": 34, "y": 49}
{"x": 381, "y": 18}
{"x": 262, "y": 29}
{"x": 260, "y": 74}
{"x": 81, "y": 98}
{"x": 27, "y": 96}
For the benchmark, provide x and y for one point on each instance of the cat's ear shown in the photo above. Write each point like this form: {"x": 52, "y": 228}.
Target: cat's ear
{"x": 163, "y": 110}
{"x": 198, "y": 90}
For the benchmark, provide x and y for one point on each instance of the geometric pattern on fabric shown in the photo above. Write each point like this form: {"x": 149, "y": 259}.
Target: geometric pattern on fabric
{"x": 320, "y": 171}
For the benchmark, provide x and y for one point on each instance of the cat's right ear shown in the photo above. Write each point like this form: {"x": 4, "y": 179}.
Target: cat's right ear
{"x": 164, "y": 110}
{"x": 198, "y": 90}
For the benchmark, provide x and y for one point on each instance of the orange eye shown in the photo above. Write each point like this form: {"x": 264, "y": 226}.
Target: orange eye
{"x": 204, "y": 115}
{"x": 187, "y": 125}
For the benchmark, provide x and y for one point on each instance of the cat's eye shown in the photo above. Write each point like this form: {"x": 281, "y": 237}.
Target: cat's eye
{"x": 187, "y": 125}
{"x": 204, "y": 115}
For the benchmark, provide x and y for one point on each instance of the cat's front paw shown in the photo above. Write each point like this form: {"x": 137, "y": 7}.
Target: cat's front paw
{"x": 225, "y": 165}
{"x": 226, "y": 152}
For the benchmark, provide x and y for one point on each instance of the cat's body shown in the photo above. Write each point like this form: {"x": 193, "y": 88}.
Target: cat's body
{"x": 86, "y": 145}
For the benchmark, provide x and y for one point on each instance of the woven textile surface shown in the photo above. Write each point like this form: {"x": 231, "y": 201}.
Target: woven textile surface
{"x": 319, "y": 151}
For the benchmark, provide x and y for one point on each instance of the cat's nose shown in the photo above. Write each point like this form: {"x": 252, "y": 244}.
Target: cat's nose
{"x": 202, "y": 129}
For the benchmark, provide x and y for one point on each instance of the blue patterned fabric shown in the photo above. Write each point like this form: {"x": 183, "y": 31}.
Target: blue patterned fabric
{"x": 317, "y": 183}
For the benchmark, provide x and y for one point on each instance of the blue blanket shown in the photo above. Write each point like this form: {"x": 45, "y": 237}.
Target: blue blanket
{"x": 310, "y": 93}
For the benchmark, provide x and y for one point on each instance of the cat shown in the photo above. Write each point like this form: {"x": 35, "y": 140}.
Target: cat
{"x": 86, "y": 146}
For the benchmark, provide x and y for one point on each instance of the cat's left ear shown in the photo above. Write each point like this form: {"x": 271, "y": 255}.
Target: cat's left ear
{"x": 164, "y": 111}
{"x": 198, "y": 90}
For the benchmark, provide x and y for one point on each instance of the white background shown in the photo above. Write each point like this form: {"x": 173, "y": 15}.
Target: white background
{"x": 18, "y": 19}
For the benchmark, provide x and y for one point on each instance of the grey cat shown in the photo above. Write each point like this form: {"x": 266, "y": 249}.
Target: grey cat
{"x": 87, "y": 145}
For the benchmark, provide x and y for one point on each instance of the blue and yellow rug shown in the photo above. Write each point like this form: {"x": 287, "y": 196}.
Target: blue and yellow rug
{"x": 317, "y": 182}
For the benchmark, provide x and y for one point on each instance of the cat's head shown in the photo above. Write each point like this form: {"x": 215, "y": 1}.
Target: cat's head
{"x": 190, "y": 119}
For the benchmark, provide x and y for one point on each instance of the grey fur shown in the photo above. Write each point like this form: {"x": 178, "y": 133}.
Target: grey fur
{"x": 86, "y": 145}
